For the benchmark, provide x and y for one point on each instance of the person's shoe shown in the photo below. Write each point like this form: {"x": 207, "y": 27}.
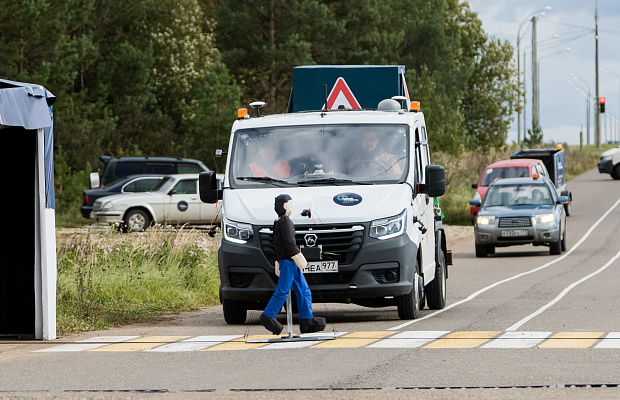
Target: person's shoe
{"x": 271, "y": 324}
{"x": 310, "y": 325}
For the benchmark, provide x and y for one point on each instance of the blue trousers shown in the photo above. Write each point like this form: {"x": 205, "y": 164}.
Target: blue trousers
{"x": 290, "y": 276}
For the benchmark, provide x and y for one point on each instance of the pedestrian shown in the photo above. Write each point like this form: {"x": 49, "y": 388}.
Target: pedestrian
{"x": 289, "y": 265}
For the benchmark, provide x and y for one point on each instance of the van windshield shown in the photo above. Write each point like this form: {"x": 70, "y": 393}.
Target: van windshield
{"x": 318, "y": 155}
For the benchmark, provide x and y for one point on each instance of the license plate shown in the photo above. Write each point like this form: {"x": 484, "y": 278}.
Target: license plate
{"x": 315, "y": 267}
{"x": 514, "y": 232}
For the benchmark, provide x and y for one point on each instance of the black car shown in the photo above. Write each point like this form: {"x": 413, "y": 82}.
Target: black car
{"x": 129, "y": 184}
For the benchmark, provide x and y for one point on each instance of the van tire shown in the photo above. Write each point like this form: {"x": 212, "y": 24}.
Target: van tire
{"x": 436, "y": 290}
{"x": 615, "y": 173}
{"x": 136, "y": 220}
{"x": 235, "y": 312}
{"x": 409, "y": 304}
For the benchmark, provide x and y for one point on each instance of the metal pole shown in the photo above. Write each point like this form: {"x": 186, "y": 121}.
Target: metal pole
{"x": 534, "y": 77}
{"x": 598, "y": 109}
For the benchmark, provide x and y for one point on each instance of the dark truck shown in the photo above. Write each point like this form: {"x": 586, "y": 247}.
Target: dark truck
{"x": 554, "y": 162}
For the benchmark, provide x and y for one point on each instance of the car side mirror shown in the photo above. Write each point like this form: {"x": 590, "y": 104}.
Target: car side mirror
{"x": 474, "y": 186}
{"x": 562, "y": 199}
{"x": 94, "y": 180}
{"x": 435, "y": 181}
{"x": 475, "y": 203}
{"x": 207, "y": 186}
{"x": 173, "y": 191}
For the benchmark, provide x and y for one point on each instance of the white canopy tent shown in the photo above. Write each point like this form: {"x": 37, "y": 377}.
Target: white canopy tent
{"x": 27, "y": 278}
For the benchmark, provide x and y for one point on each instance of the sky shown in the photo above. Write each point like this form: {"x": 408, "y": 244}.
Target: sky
{"x": 568, "y": 24}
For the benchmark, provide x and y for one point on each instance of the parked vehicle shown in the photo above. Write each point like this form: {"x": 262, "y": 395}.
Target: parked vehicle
{"x": 519, "y": 168}
{"x": 610, "y": 163}
{"x": 517, "y": 211}
{"x": 365, "y": 223}
{"x": 554, "y": 162}
{"x": 172, "y": 201}
{"x": 128, "y": 184}
{"x": 120, "y": 167}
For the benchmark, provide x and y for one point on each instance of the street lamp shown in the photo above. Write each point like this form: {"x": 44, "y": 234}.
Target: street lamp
{"x": 566, "y": 50}
{"x": 588, "y": 104}
{"x": 618, "y": 77}
{"x": 526, "y": 19}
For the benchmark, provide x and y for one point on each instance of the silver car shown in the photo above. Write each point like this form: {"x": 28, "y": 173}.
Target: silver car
{"x": 173, "y": 201}
{"x": 520, "y": 211}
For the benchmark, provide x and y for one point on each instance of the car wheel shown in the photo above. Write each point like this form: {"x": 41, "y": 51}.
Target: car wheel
{"x": 234, "y": 312}
{"x": 482, "y": 250}
{"x": 615, "y": 173}
{"x": 564, "y": 240}
{"x": 555, "y": 248}
{"x": 409, "y": 304}
{"x": 436, "y": 290}
{"x": 136, "y": 221}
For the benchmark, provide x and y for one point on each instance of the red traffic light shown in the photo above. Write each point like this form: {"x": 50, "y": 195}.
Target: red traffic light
{"x": 601, "y": 102}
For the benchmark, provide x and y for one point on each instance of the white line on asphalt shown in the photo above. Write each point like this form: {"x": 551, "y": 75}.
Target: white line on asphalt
{"x": 563, "y": 293}
{"x": 89, "y": 344}
{"x": 479, "y": 292}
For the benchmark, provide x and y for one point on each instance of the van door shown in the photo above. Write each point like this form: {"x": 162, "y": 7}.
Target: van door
{"x": 426, "y": 206}
{"x": 184, "y": 203}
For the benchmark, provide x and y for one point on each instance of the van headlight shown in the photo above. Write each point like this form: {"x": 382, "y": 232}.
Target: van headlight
{"x": 237, "y": 232}
{"x": 389, "y": 227}
{"x": 607, "y": 158}
{"x": 485, "y": 220}
{"x": 545, "y": 218}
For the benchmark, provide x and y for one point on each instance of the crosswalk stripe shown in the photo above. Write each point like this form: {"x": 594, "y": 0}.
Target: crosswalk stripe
{"x": 354, "y": 339}
{"x": 240, "y": 343}
{"x": 462, "y": 340}
{"x": 88, "y": 344}
{"x": 571, "y": 340}
{"x": 194, "y": 344}
{"x": 611, "y": 341}
{"x": 409, "y": 339}
{"x": 140, "y": 344}
{"x": 517, "y": 340}
{"x": 300, "y": 344}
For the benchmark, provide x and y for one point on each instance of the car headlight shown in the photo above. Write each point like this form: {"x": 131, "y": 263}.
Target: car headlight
{"x": 389, "y": 227}
{"x": 545, "y": 218}
{"x": 237, "y": 232}
{"x": 107, "y": 205}
{"x": 485, "y": 220}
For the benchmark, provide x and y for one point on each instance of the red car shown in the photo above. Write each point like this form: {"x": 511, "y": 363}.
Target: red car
{"x": 518, "y": 168}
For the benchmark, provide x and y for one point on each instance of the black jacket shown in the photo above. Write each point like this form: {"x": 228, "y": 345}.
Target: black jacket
{"x": 284, "y": 238}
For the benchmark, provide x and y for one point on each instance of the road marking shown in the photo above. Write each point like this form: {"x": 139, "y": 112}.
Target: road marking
{"x": 611, "y": 341}
{"x": 195, "y": 343}
{"x": 88, "y": 344}
{"x": 563, "y": 293}
{"x": 462, "y": 340}
{"x": 409, "y": 339}
{"x": 300, "y": 344}
{"x": 517, "y": 340}
{"x": 140, "y": 344}
{"x": 485, "y": 289}
{"x": 240, "y": 344}
{"x": 571, "y": 340}
{"x": 354, "y": 339}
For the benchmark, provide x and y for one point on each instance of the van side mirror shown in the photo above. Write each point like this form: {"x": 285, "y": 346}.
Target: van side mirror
{"x": 94, "y": 180}
{"x": 207, "y": 186}
{"x": 435, "y": 181}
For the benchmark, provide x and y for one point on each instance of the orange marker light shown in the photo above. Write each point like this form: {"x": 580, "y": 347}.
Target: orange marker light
{"x": 559, "y": 147}
{"x": 242, "y": 113}
{"x": 415, "y": 106}
{"x": 535, "y": 176}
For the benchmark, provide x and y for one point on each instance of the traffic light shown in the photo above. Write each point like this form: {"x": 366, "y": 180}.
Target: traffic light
{"x": 601, "y": 104}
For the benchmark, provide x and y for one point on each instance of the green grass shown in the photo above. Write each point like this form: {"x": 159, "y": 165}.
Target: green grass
{"x": 109, "y": 278}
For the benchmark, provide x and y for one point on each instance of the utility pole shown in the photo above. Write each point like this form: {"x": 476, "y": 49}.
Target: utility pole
{"x": 534, "y": 77}
{"x": 598, "y": 108}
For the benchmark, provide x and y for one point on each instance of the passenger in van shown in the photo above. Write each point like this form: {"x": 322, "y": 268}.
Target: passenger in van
{"x": 266, "y": 163}
{"x": 371, "y": 156}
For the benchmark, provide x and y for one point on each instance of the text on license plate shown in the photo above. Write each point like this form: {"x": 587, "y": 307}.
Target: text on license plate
{"x": 314, "y": 267}
{"x": 514, "y": 232}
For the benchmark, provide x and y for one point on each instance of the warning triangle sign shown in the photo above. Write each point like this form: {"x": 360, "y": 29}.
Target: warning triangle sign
{"x": 341, "y": 97}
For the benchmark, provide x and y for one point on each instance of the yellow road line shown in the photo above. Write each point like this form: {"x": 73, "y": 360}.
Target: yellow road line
{"x": 571, "y": 340}
{"x": 462, "y": 340}
{"x": 140, "y": 344}
{"x": 240, "y": 344}
{"x": 354, "y": 339}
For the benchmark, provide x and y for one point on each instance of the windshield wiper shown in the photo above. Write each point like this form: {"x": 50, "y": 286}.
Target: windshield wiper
{"x": 263, "y": 179}
{"x": 335, "y": 181}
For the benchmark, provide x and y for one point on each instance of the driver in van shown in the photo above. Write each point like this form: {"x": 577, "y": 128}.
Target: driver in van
{"x": 266, "y": 163}
{"x": 373, "y": 157}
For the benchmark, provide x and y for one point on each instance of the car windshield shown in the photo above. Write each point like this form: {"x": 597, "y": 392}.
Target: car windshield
{"x": 163, "y": 185}
{"x": 320, "y": 155}
{"x": 517, "y": 195}
{"x": 491, "y": 174}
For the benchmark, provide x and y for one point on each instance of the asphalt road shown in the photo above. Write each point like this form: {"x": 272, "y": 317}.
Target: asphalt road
{"x": 519, "y": 324}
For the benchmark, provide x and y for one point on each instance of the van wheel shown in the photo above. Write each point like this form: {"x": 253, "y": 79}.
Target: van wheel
{"x": 615, "y": 173}
{"x": 436, "y": 290}
{"x": 136, "y": 221}
{"x": 409, "y": 304}
{"x": 234, "y": 312}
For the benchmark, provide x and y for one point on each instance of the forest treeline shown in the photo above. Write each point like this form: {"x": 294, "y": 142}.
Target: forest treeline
{"x": 165, "y": 77}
